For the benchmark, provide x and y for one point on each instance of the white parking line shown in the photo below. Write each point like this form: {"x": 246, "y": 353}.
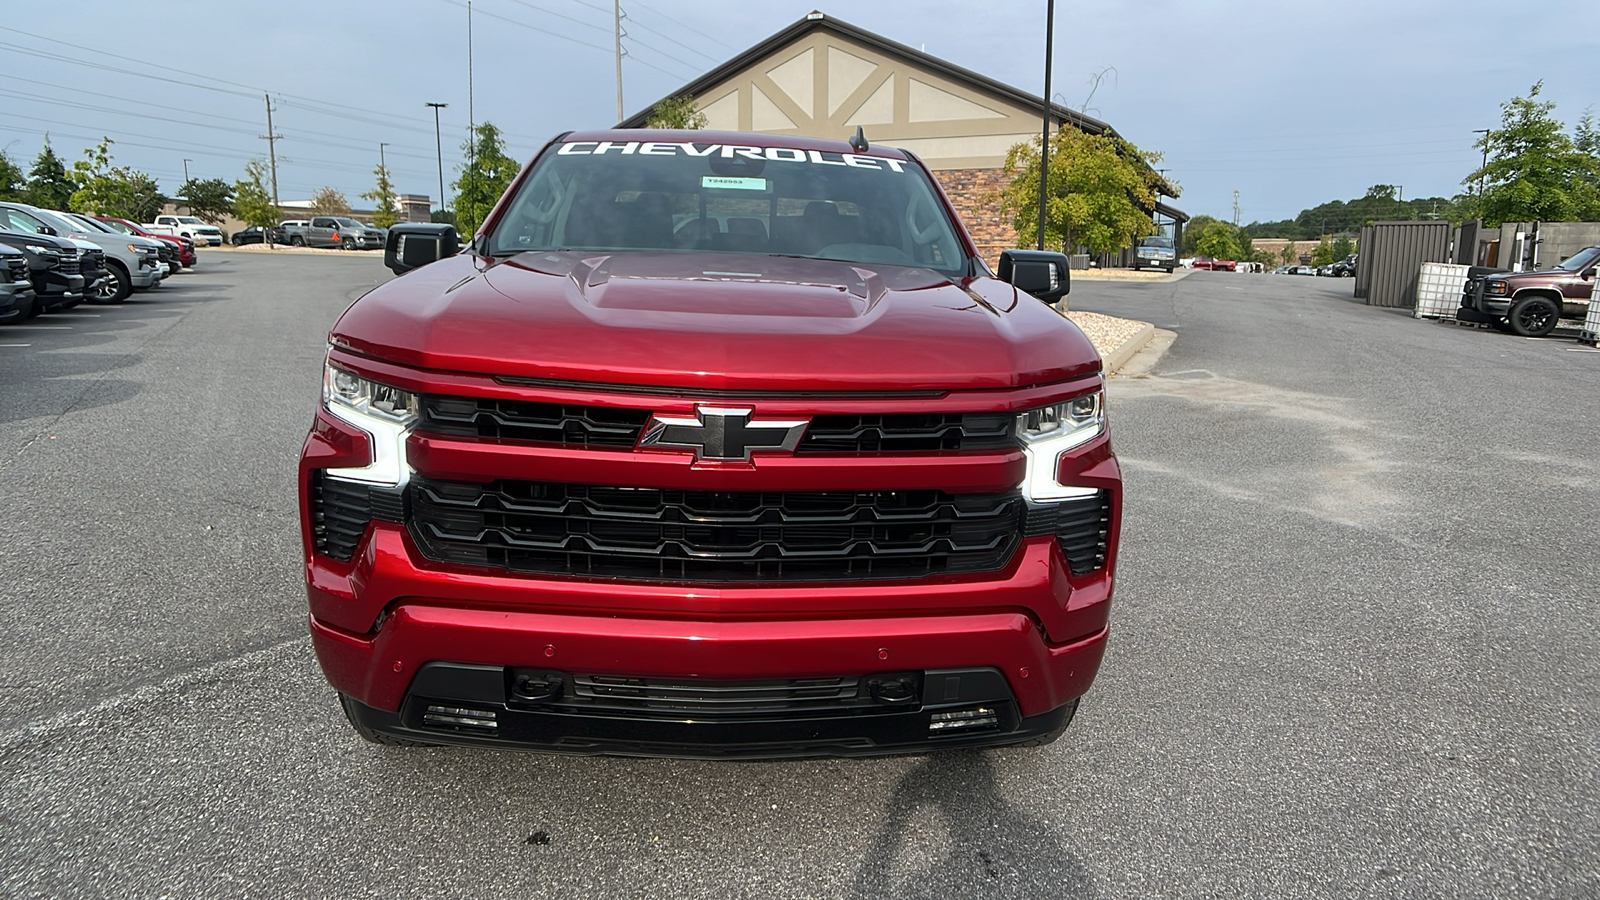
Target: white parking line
{"x": 1581, "y": 350}
{"x": 42, "y": 327}
{"x": 16, "y": 345}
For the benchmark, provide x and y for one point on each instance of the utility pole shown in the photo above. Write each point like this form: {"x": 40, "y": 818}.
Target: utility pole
{"x": 1485, "y": 133}
{"x": 616, "y": 12}
{"x": 272, "y": 138}
{"x": 438, "y": 145}
{"x": 381, "y": 164}
{"x": 1236, "y": 208}
{"x": 186, "y": 170}
{"x": 1044, "y": 143}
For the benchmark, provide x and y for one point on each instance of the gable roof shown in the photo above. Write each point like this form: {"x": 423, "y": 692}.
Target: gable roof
{"x": 817, "y": 21}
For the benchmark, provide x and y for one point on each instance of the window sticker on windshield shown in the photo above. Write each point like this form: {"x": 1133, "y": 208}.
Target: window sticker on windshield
{"x": 733, "y": 184}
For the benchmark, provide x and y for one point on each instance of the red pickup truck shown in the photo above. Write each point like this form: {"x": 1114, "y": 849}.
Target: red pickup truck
{"x": 711, "y": 445}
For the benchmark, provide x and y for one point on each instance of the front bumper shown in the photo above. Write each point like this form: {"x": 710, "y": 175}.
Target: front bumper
{"x": 144, "y": 277}
{"x": 16, "y": 297}
{"x": 1484, "y": 306}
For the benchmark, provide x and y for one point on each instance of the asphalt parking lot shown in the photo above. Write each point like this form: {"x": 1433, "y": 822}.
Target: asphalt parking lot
{"x": 1354, "y": 646}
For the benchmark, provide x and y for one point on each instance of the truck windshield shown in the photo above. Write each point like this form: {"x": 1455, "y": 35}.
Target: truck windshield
{"x": 1157, "y": 242}
{"x": 702, "y": 196}
{"x": 190, "y": 220}
{"x": 1581, "y": 260}
{"x": 348, "y": 223}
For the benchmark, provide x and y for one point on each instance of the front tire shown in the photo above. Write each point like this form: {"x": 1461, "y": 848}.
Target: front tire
{"x": 1534, "y": 316}
{"x": 118, "y": 288}
{"x": 347, "y": 244}
{"x": 297, "y": 241}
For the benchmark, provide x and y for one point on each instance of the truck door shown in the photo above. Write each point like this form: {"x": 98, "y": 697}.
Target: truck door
{"x": 322, "y": 230}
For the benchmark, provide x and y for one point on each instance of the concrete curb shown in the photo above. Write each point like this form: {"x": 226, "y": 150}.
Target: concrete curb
{"x": 288, "y": 248}
{"x": 1119, "y": 357}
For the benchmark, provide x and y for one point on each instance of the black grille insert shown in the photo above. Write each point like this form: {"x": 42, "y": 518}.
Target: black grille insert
{"x": 674, "y": 535}
{"x": 910, "y": 433}
{"x": 573, "y": 426}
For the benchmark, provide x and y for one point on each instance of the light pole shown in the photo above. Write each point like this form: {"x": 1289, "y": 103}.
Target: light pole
{"x": 186, "y": 170}
{"x": 1044, "y": 144}
{"x": 438, "y": 145}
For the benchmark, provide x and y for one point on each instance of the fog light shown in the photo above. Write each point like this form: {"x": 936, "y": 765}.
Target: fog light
{"x": 977, "y": 718}
{"x": 460, "y": 718}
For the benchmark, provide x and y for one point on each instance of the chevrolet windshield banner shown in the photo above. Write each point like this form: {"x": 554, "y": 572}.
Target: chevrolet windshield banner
{"x": 730, "y": 151}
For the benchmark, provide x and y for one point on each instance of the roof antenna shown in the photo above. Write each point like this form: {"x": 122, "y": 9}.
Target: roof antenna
{"x": 858, "y": 141}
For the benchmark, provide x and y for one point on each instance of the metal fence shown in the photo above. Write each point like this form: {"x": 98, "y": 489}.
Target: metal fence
{"x": 1392, "y": 253}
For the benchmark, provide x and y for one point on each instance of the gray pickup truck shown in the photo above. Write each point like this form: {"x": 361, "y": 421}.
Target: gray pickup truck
{"x": 333, "y": 231}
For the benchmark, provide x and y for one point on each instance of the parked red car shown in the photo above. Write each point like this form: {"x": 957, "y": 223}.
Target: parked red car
{"x": 1217, "y": 265}
{"x": 185, "y": 247}
{"x": 711, "y": 445}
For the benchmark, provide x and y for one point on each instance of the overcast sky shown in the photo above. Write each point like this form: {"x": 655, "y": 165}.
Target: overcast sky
{"x": 1291, "y": 104}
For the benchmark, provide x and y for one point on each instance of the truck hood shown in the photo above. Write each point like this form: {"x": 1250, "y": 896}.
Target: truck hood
{"x": 715, "y": 322}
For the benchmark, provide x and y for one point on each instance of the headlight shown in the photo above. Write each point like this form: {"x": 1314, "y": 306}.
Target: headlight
{"x": 383, "y": 412}
{"x": 1495, "y": 287}
{"x": 1048, "y": 432}
{"x": 36, "y": 248}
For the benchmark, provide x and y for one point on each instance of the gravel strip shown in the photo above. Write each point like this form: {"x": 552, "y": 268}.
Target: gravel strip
{"x": 1107, "y": 333}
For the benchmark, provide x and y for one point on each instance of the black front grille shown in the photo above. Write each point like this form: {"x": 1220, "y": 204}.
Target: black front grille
{"x": 909, "y": 433}
{"x": 572, "y": 426}
{"x": 1082, "y": 528}
{"x": 18, "y": 269}
{"x": 674, "y": 535}
{"x": 600, "y": 426}
{"x": 69, "y": 266}
{"x": 341, "y": 511}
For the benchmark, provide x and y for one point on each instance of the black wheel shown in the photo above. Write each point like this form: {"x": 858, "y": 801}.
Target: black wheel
{"x": 117, "y": 288}
{"x": 347, "y": 244}
{"x": 297, "y": 241}
{"x": 348, "y": 704}
{"x": 1534, "y": 316}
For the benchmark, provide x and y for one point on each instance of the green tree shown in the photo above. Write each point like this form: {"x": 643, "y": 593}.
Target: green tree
{"x": 1322, "y": 254}
{"x": 1343, "y": 246}
{"x": 386, "y": 211}
{"x": 1100, "y": 192}
{"x": 1536, "y": 171}
{"x": 48, "y": 184}
{"x": 677, "y": 112}
{"x": 252, "y": 202}
{"x": 1192, "y": 231}
{"x": 1286, "y": 256}
{"x": 209, "y": 199}
{"x": 484, "y": 178}
{"x": 329, "y": 202}
{"x": 107, "y": 190}
{"x": 13, "y": 183}
{"x": 1218, "y": 240}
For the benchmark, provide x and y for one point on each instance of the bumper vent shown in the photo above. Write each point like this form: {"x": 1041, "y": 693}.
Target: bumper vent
{"x": 341, "y": 510}
{"x": 461, "y": 718}
{"x": 1082, "y": 528}
{"x": 713, "y": 697}
{"x": 17, "y": 269}
{"x": 674, "y": 535}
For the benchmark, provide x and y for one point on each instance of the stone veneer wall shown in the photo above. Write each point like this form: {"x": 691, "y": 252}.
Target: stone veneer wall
{"x": 975, "y": 193}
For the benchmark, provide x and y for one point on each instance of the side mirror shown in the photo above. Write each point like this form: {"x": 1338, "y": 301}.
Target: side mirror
{"x": 46, "y": 229}
{"x": 1042, "y": 273}
{"x": 1589, "y": 272}
{"x": 413, "y": 245}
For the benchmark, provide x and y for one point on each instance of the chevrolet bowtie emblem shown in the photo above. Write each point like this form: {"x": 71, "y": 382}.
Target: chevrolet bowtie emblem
{"x": 716, "y": 433}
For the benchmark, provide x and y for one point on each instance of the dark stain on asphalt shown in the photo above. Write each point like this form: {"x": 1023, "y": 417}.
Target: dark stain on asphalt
{"x": 538, "y": 838}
